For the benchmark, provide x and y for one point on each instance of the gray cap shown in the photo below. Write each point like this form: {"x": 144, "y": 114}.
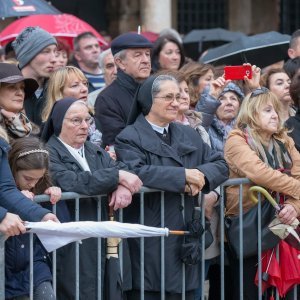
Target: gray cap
{"x": 30, "y": 42}
{"x": 231, "y": 87}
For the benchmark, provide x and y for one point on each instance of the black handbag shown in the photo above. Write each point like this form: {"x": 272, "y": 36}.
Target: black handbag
{"x": 250, "y": 231}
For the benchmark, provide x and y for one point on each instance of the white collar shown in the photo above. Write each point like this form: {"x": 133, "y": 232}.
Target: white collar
{"x": 157, "y": 128}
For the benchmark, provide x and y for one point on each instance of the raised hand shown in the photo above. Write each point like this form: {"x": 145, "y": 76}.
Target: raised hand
{"x": 217, "y": 85}
{"x": 254, "y": 82}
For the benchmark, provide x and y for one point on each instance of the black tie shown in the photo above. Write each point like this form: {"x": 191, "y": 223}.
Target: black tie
{"x": 165, "y": 136}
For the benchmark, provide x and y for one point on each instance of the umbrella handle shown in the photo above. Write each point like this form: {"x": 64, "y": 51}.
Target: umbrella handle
{"x": 178, "y": 232}
{"x": 259, "y": 189}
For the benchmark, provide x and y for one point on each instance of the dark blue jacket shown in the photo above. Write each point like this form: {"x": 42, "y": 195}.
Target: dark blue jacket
{"x": 17, "y": 265}
{"x": 11, "y": 199}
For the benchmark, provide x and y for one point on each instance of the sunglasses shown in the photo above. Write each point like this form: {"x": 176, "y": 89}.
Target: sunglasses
{"x": 259, "y": 91}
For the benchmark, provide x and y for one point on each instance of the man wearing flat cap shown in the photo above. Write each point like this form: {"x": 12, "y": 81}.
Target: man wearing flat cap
{"x": 35, "y": 51}
{"x": 131, "y": 53}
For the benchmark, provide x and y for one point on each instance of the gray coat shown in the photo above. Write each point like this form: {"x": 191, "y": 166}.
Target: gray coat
{"x": 69, "y": 175}
{"x": 163, "y": 167}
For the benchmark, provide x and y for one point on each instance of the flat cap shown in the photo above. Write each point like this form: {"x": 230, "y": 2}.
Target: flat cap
{"x": 129, "y": 40}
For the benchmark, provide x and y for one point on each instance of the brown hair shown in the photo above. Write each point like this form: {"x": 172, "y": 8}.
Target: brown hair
{"x": 30, "y": 160}
{"x": 265, "y": 78}
{"x": 192, "y": 72}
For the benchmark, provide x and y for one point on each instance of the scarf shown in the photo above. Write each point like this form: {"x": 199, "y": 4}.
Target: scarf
{"x": 19, "y": 125}
{"x": 127, "y": 82}
{"x": 276, "y": 155}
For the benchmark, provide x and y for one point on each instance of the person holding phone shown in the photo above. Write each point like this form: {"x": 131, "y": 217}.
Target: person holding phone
{"x": 220, "y": 103}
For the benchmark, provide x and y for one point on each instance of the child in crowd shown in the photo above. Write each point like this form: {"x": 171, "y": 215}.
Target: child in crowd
{"x": 29, "y": 162}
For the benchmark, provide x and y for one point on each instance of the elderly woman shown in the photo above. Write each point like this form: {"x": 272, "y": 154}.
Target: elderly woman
{"x": 258, "y": 149}
{"x": 14, "y": 88}
{"x": 219, "y": 111}
{"x": 173, "y": 158}
{"x": 167, "y": 54}
{"x": 278, "y": 82}
{"x": 65, "y": 82}
{"x": 79, "y": 166}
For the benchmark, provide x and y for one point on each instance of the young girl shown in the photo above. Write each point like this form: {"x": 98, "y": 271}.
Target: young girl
{"x": 29, "y": 161}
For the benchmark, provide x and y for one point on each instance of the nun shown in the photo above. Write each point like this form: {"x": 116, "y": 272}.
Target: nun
{"x": 79, "y": 166}
{"x": 170, "y": 157}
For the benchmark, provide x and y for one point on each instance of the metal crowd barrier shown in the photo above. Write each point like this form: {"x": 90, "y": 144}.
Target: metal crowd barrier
{"x": 77, "y": 198}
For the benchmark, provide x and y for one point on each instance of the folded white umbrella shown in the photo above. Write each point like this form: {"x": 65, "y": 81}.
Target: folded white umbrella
{"x": 55, "y": 235}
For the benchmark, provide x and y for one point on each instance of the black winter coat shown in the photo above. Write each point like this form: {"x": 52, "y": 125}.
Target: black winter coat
{"x": 161, "y": 166}
{"x": 294, "y": 124}
{"x": 113, "y": 105}
{"x": 70, "y": 177}
{"x": 34, "y": 107}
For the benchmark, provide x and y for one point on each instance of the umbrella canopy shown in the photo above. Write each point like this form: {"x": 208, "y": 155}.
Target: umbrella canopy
{"x": 64, "y": 26}
{"x": 150, "y": 35}
{"x": 21, "y": 8}
{"x": 199, "y": 40}
{"x": 55, "y": 235}
{"x": 261, "y": 49}
{"x": 283, "y": 273}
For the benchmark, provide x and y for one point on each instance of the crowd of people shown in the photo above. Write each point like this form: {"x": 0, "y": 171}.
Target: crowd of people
{"x": 96, "y": 122}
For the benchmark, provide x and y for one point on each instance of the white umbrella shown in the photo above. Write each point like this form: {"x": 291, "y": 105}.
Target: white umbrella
{"x": 55, "y": 235}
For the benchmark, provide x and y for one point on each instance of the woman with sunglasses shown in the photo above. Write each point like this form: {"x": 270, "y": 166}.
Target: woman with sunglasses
{"x": 258, "y": 149}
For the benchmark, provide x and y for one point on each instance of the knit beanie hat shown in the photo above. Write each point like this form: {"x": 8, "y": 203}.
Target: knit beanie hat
{"x": 30, "y": 42}
{"x": 231, "y": 87}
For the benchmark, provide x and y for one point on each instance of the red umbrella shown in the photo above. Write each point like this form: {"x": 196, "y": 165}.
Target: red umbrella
{"x": 282, "y": 274}
{"x": 65, "y": 26}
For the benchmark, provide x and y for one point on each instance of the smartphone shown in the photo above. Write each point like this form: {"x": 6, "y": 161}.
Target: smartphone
{"x": 237, "y": 72}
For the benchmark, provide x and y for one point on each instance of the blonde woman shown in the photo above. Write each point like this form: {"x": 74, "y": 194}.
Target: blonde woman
{"x": 259, "y": 149}
{"x": 66, "y": 82}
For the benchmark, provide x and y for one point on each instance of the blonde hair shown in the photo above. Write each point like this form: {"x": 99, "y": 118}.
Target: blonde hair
{"x": 248, "y": 115}
{"x": 56, "y": 85}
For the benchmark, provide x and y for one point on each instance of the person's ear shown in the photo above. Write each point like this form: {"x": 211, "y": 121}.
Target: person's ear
{"x": 77, "y": 56}
{"x": 120, "y": 64}
{"x": 291, "y": 53}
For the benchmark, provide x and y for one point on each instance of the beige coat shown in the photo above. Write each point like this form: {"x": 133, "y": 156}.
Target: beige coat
{"x": 244, "y": 162}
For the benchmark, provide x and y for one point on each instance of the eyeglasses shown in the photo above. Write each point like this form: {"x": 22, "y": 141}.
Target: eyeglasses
{"x": 259, "y": 91}
{"x": 78, "y": 121}
{"x": 170, "y": 97}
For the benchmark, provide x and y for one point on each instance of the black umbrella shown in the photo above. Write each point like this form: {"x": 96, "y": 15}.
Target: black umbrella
{"x": 261, "y": 49}
{"x": 199, "y": 40}
{"x": 20, "y": 8}
{"x": 113, "y": 283}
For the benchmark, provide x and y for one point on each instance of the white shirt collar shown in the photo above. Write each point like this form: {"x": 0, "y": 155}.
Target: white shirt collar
{"x": 157, "y": 128}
